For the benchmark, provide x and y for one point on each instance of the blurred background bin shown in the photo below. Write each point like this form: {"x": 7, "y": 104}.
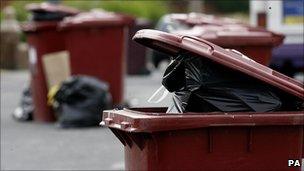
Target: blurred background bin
{"x": 97, "y": 43}
{"x": 255, "y": 42}
{"x": 192, "y": 19}
{"x": 210, "y": 141}
{"x": 43, "y": 38}
{"x": 137, "y": 54}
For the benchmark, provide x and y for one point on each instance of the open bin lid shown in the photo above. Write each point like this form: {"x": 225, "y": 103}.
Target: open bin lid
{"x": 96, "y": 18}
{"x": 173, "y": 44}
{"x": 234, "y": 35}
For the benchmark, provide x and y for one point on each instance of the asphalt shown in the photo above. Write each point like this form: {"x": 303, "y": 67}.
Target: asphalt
{"x": 37, "y": 146}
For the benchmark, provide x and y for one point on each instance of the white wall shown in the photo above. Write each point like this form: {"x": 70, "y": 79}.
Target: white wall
{"x": 274, "y": 12}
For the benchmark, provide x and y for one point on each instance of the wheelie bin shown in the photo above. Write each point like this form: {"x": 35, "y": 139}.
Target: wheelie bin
{"x": 97, "y": 42}
{"x": 193, "y": 19}
{"x": 254, "y": 42}
{"x": 43, "y": 38}
{"x": 257, "y": 44}
{"x": 137, "y": 54}
{"x": 156, "y": 140}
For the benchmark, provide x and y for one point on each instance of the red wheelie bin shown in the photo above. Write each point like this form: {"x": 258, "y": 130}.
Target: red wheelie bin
{"x": 97, "y": 43}
{"x": 137, "y": 54}
{"x": 192, "y": 19}
{"x": 257, "y": 43}
{"x": 156, "y": 140}
{"x": 43, "y": 38}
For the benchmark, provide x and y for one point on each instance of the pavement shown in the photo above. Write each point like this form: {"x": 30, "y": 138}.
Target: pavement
{"x": 37, "y": 146}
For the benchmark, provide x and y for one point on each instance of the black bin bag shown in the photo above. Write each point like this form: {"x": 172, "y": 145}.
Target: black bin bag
{"x": 81, "y": 100}
{"x": 200, "y": 85}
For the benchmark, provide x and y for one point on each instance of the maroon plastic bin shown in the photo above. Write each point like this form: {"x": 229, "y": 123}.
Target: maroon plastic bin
{"x": 137, "y": 54}
{"x": 193, "y": 19}
{"x": 155, "y": 140}
{"x": 43, "y": 38}
{"x": 254, "y": 42}
{"x": 97, "y": 43}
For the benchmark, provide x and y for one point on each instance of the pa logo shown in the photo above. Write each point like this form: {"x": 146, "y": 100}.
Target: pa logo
{"x": 294, "y": 163}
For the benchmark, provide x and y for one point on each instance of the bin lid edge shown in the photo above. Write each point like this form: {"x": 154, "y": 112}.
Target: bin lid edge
{"x": 172, "y": 44}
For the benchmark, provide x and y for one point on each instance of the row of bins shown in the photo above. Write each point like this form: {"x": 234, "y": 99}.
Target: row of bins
{"x": 97, "y": 43}
{"x": 257, "y": 43}
{"x": 153, "y": 139}
{"x": 103, "y": 36}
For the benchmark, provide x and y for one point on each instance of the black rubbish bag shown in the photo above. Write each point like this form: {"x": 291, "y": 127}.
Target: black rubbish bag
{"x": 200, "y": 85}
{"x": 24, "y": 112}
{"x": 80, "y": 101}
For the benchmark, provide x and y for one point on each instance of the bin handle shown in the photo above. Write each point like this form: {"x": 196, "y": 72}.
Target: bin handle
{"x": 199, "y": 40}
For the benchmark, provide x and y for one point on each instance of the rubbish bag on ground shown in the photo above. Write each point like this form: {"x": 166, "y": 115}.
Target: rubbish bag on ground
{"x": 24, "y": 112}
{"x": 200, "y": 85}
{"x": 80, "y": 101}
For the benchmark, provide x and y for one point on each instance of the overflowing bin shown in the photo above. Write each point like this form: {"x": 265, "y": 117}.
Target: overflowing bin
{"x": 43, "y": 38}
{"x": 156, "y": 140}
{"x": 254, "y": 42}
{"x": 97, "y": 42}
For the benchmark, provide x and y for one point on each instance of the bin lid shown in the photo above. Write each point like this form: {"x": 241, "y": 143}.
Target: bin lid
{"x": 51, "y": 8}
{"x": 32, "y": 26}
{"x": 234, "y": 35}
{"x": 96, "y": 18}
{"x": 203, "y": 19}
{"x": 173, "y": 44}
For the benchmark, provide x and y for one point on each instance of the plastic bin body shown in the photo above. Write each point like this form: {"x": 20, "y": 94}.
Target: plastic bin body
{"x": 99, "y": 53}
{"x": 154, "y": 140}
{"x": 42, "y": 38}
{"x": 254, "y": 43}
{"x": 261, "y": 54}
{"x": 97, "y": 47}
{"x": 137, "y": 54}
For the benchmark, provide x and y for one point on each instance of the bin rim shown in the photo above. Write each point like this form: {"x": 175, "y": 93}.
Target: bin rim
{"x": 195, "y": 18}
{"x": 136, "y": 121}
{"x": 173, "y": 44}
{"x": 33, "y": 26}
{"x": 95, "y": 19}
